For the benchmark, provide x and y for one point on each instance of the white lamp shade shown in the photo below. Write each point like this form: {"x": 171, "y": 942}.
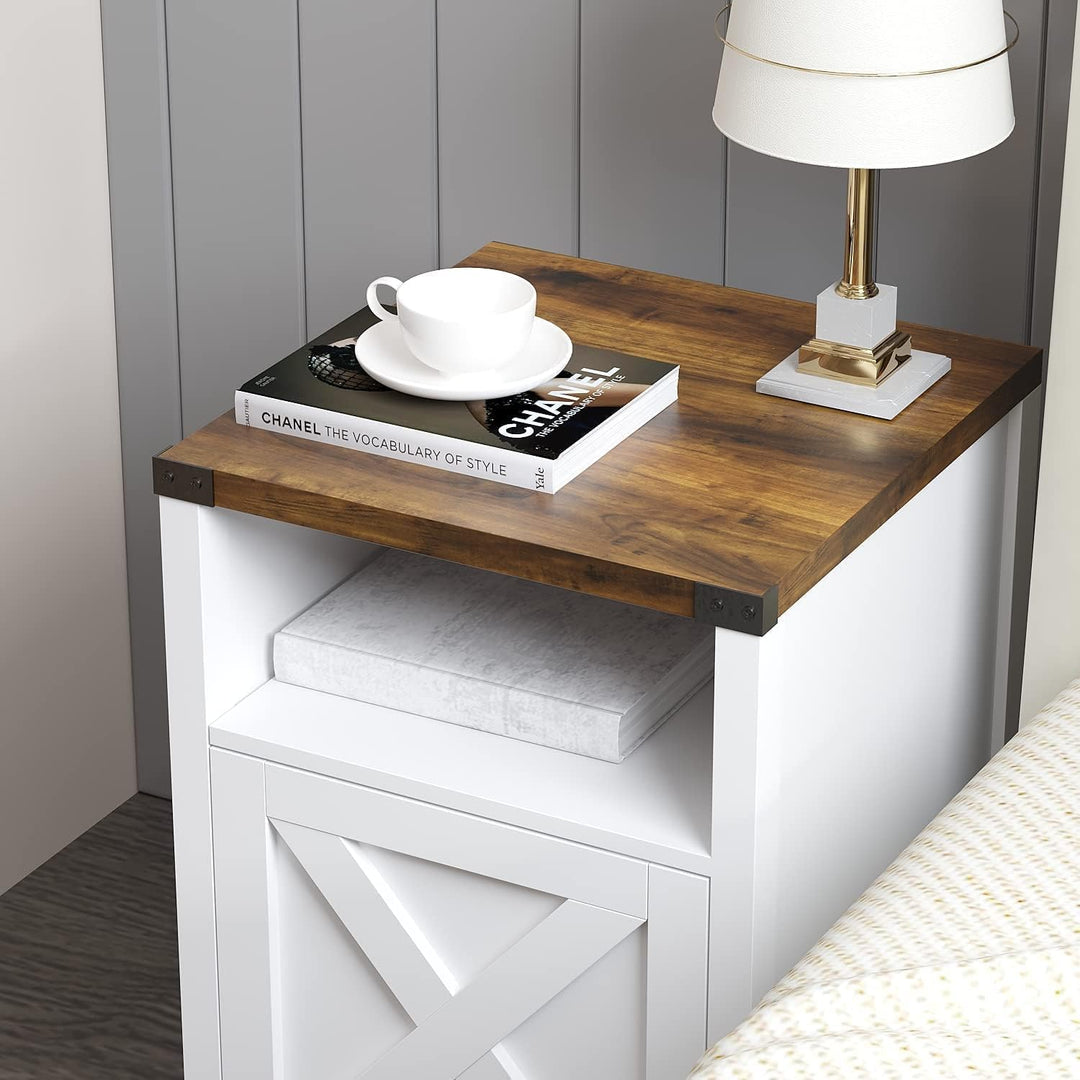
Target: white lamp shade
{"x": 859, "y": 122}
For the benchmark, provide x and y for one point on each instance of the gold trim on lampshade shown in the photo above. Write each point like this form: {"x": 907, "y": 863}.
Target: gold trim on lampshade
{"x": 872, "y": 84}
{"x": 1009, "y": 46}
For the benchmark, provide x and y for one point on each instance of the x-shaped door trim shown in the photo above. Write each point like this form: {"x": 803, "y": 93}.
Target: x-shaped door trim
{"x": 455, "y": 1026}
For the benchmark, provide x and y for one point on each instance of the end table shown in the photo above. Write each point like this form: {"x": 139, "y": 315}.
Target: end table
{"x": 362, "y": 892}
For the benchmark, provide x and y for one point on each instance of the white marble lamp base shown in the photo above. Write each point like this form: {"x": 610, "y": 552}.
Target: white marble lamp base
{"x": 886, "y": 401}
{"x": 863, "y": 324}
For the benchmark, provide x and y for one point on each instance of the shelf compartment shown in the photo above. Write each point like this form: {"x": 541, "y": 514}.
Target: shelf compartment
{"x": 655, "y": 805}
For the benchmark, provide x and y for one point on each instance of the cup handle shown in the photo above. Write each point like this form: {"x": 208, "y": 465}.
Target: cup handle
{"x": 373, "y": 299}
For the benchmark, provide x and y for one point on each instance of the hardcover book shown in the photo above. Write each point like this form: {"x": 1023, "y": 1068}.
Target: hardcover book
{"x": 498, "y": 654}
{"x": 540, "y": 439}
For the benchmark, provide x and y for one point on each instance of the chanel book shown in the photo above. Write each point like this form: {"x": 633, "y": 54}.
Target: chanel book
{"x": 540, "y": 439}
{"x": 485, "y": 651}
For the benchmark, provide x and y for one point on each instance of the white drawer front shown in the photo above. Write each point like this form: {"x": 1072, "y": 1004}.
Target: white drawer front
{"x": 362, "y": 934}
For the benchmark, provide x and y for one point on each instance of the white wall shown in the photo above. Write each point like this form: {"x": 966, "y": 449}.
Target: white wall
{"x": 1052, "y": 657}
{"x": 66, "y": 732}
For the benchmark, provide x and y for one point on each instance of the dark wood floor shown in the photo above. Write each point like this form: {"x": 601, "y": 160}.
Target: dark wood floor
{"x": 88, "y": 973}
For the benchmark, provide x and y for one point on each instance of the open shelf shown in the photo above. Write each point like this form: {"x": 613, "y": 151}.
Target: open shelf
{"x": 654, "y": 805}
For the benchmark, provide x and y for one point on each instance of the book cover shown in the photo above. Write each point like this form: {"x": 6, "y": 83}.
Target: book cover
{"x": 538, "y": 439}
{"x": 498, "y": 654}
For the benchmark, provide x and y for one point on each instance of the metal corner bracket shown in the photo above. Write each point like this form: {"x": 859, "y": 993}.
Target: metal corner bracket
{"x": 747, "y": 613}
{"x": 189, "y": 483}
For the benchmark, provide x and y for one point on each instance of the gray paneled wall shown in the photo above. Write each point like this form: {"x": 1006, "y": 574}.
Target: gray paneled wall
{"x": 370, "y": 148}
{"x": 508, "y": 107}
{"x": 133, "y": 37}
{"x": 983, "y": 210}
{"x": 652, "y": 164}
{"x": 1059, "y": 35}
{"x": 234, "y": 95}
{"x": 270, "y": 157}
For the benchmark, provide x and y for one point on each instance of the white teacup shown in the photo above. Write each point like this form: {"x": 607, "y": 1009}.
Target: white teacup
{"x": 463, "y": 319}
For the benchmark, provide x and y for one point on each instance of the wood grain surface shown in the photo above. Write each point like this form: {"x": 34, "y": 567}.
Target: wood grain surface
{"x": 89, "y": 988}
{"x": 728, "y": 487}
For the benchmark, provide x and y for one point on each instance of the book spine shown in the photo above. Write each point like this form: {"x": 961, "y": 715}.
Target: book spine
{"x": 389, "y": 440}
{"x": 447, "y": 697}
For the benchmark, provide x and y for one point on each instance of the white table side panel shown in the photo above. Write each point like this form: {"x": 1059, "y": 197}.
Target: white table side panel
{"x": 732, "y": 896}
{"x": 1014, "y": 424}
{"x": 874, "y": 704}
{"x": 677, "y": 979}
{"x": 192, "y": 837}
{"x": 230, "y": 580}
{"x": 250, "y": 982}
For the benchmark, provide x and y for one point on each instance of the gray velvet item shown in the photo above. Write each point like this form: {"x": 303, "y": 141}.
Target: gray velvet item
{"x": 496, "y": 653}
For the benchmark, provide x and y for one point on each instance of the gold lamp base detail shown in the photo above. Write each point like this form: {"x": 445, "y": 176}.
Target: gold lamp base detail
{"x": 849, "y": 363}
{"x": 858, "y": 360}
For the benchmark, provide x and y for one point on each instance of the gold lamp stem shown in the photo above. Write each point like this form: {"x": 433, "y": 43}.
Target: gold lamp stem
{"x": 865, "y": 362}
{"x": 858, "y": 280}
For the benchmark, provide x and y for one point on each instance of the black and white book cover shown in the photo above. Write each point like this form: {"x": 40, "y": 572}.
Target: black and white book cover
{"x": 321, "y": 392}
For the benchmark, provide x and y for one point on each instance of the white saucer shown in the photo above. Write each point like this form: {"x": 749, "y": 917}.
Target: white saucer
{"x": 383, "y": 354}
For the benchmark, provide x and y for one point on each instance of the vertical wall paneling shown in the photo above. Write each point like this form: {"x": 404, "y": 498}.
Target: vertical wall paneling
{"x": 140, "y": 189}
{"x": 957, "y": 238}
{"x": 1057, "y": 72}
{"x": 1053, "y": 630}
{"x": 508, "y": 131}
{"x": 785, "y": 225}
{"x": 1057, "y": 76}
{"x": 652, "y": 163}
{"x": 235, "y": 111}
{"x": 369, "y": 135}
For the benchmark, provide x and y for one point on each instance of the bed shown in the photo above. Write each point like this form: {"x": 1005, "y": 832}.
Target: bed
{"x": 963, "y": 958}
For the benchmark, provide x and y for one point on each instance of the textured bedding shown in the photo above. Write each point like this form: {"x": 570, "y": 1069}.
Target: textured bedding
{"x": 963, "y": 958}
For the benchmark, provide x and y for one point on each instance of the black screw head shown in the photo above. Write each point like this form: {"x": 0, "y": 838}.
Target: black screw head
{"x": 168, "y": 477}
{"x": 196, "y": 482}
{"x": 748, "y": 613}
{"x": 716, "y": 605}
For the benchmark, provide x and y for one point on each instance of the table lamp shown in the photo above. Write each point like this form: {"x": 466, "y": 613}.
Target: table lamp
{"x": 863, "y": 85}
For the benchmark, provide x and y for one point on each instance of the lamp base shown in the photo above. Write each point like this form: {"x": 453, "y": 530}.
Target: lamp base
{"x": 849, "y": 363}
{"x": 886, "y": 401}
